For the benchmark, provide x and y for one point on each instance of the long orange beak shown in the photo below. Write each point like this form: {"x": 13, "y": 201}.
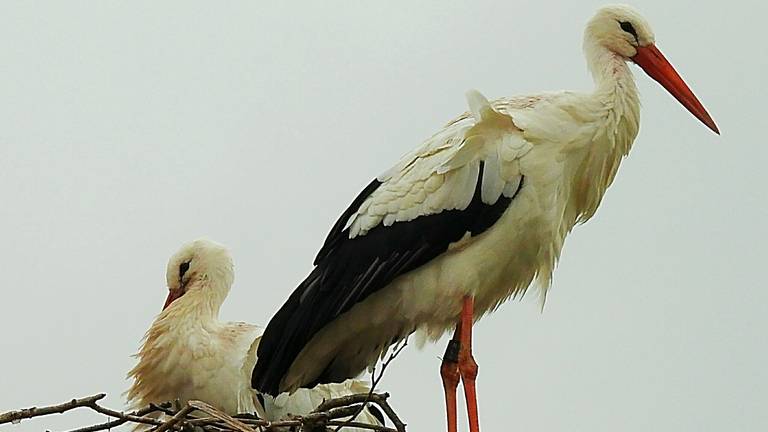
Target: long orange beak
{"x": 654, "y": 64}
{"x": 172, "y": 295}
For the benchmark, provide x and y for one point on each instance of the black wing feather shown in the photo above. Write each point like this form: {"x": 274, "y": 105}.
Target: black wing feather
{"x": 348, "y": 270}
{"x": 335, "y": 235}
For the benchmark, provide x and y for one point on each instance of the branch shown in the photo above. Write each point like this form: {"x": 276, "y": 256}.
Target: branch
{"x": 382, "y": 402}
{"x": 136, "y": 417}
{"x": 175, "y": 419}
{"x": 225, "y": 418}
{"x": 389, "y": 412}
{"x": 121, "y": 419}
{"x": 347, "y": 423}
{"x": 17, "y": 416}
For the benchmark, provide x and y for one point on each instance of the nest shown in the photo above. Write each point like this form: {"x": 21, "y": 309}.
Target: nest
{"x": 198, "y": 416}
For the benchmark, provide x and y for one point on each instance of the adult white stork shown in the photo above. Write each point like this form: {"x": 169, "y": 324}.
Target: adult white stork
{"x": 189, "y": 354}
{"x": 467, "y": 220}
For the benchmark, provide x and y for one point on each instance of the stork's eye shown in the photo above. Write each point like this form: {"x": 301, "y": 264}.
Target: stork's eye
{"x": 183, "y": 269}
{"x": 627, "y": 27}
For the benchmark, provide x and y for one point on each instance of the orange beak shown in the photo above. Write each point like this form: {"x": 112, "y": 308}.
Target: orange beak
{"x": 172, "y": 295}
{"x": 654, "y": 64}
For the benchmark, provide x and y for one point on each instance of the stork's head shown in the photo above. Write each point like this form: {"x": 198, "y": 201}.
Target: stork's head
{"x": 623, "y": 31}
{"x": 199, "y": 265}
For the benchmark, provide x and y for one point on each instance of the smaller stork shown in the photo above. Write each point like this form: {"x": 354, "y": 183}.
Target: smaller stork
{"x": 189, "y": 354}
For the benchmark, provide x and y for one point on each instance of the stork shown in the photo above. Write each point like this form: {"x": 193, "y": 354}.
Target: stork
{"x": 188, "y": 353}
{"x": 470, "y": 218}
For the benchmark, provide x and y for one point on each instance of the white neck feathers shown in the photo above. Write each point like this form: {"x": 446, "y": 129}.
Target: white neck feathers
{"x": 615, "y": 129}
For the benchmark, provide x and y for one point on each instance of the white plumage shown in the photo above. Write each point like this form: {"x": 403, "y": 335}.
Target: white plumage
{"x": 300, "y": 401}
{"x": 188, "y": 353}
{"x": 442, "y": 173}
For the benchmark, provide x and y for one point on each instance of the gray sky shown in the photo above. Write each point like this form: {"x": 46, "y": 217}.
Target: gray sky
{"x": 128, "y": 128}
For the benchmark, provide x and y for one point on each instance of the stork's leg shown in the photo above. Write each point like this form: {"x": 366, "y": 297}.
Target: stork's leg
{"x": 449, "y": 371}
{"x": 467, "y": 365}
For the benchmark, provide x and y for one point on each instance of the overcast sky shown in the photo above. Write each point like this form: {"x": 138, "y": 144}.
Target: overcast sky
{"x": 129, "y": 128}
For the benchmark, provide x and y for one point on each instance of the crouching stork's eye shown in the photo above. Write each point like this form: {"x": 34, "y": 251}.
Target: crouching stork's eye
{"x": 183, "y": 269}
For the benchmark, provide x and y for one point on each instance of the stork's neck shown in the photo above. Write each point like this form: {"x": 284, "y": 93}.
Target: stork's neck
{"x": 609, "y": 70}
{"x": 184, "y": 330}
{"x": 614, "y": 85}
{"x": 200, "y": 305}
{"x": 617, "y": 109}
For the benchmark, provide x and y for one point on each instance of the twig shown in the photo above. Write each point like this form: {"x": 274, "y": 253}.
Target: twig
{"x": 224, "y": 417}
{"x": 348, "y": 400}
{"x": 132, "y": 417}
{"x": 121, "y": 419}
{"x": 373, "y": 427}
{"x": 316, "y": 419}
{"x": 379, "y": 399}
{"x": 389, "y": 412}
{"x": 16, "y": 416}
{"x": 164, "y": 407}
{"x": 346, "y": 411}
{"x": 375, "y": 382}
{"x": 175, "y": 419}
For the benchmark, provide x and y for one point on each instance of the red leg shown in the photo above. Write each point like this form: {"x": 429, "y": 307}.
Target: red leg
{"x": 449, "y": 371}
{"x": 467, "y": 366}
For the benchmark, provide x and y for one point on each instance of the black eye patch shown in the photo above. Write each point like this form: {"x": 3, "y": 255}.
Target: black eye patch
{"x": 183, "y": 269}
{"x": 627, "y": 27}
